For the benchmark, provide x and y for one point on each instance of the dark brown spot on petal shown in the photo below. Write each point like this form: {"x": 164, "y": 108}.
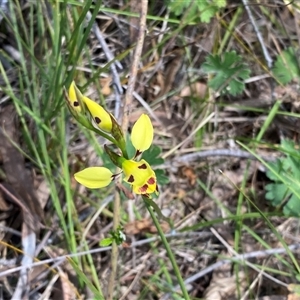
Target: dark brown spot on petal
{"x": 76, "y": 103}
{"x": 131, "y": 178}
{"x": 157, "y": 189}
{"x": 151, "y": 180}
{"x": 97, "y": 120}
{"x": 144, "y": 188}
{"x": 143, "y": 166}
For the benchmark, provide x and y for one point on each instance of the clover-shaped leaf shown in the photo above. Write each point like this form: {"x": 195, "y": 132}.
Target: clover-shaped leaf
{"x": 162, "y": 179}
{"x": 292, "y": 208}
{"x": 285, "y": 174}
{"x": 229, "y": 72}
{"x": 202, "y": 10}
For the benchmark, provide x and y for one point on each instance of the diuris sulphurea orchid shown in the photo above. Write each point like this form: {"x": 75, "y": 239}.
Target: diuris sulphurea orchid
{"x": 138, "y": 174}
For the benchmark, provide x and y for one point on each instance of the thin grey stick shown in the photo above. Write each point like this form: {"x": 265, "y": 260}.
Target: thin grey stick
{"x": 259, "y": 36}
{"x": 108, "y": 54}
{"x": 102, "y": 42}
{"x": 219, "y": 152}
{"x": 241, "y": 257}
{"x": 62, "y": 258}
{"x": 28, "y": 245}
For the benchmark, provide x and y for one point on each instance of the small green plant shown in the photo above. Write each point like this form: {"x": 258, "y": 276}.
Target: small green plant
{"x": 229, "y": 72}
{"x": 197, "y": 10}
{"x": 115, "y": 235}
{"x": 286, "y": 67}
{"x": 285, "y": 174}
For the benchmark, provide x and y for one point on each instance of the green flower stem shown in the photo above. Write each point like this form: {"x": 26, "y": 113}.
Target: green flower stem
{"x": 119, "y": 144}
{"x": 115, "y": 249}
{"x": 123, "y": 149}
{"x": 168, "y": 249}
{"x": 106, "y": 136}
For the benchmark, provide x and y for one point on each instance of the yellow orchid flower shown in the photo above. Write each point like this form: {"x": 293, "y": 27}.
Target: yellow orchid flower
{"x": 138, "y": 174}
{"x": 142, "y": 134}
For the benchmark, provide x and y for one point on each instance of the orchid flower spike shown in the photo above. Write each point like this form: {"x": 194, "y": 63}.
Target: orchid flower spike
{"x": 138, "y": 174}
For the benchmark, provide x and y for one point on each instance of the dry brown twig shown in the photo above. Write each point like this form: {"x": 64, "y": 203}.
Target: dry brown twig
{"x": 126, "y": 112}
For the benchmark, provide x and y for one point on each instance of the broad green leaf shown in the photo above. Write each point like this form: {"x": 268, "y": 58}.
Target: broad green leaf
{"x": 292, "y": 208}
{"x": 106, "y": 242}
{"x": 276, "y": 193}
{"x": 286, "y": 67}
{"x": 152, "y": 156}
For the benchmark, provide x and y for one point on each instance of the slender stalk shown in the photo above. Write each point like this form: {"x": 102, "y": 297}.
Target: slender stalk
{"x": 126, "y": 111}
{"x": 169, "y": 251}
{"x": 114, "y": 249}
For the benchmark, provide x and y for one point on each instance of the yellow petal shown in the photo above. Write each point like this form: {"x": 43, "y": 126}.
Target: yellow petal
{"x": 94, "y": 177}
{"x": 140, "y": 176}
{"x": 145, "y": 189}
{"x": 142, "y": 133}
{"x": 73, "y": 97}
{"x": 101, "y": 117}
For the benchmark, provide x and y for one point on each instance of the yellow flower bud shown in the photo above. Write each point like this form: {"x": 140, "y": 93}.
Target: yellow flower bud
{"x": 101, "y": 117}
{"x": 74, "y": 98}
{"x": 142, "y": 133}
